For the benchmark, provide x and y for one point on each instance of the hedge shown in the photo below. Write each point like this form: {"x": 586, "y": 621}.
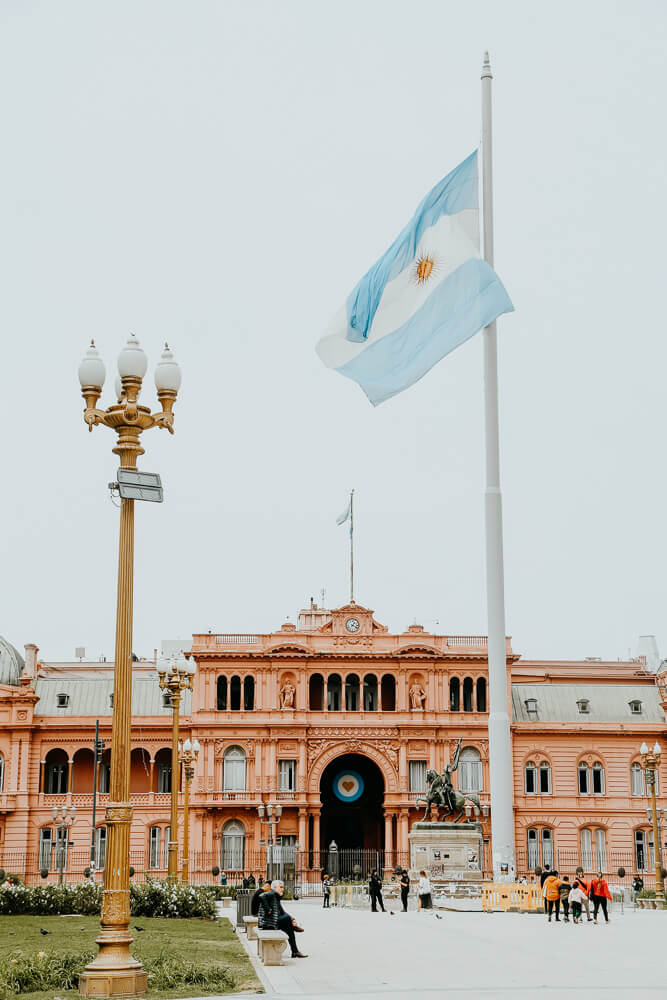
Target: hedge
{"x": 153, "y": 898}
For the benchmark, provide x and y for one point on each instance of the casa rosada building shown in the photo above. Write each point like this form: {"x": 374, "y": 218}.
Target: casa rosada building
{"x": 336, "y": 720}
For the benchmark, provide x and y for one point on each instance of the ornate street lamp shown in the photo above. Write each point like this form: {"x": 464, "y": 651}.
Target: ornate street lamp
{"x": 175, "y": 678}
{"x": 115, "y": 972}
{"x": 63, "y": 822}
{"x": 650, "y": 761}
{"x": 273, "y": 814}
{"x": 188, "y": 755}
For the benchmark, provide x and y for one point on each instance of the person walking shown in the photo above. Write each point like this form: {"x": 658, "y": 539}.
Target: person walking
{"x": 581, "y": 883}
{"x": 326, "y": 890}
{"x": 405, "y": 889}
{"x": 375, "y": 891}
{"x": 637, "y": 886}
{"x": 424, "y": 892}
{"x": 600, "y": 895}
{"x": 552, "y": 894}
{"x": 544, "y": 875}
{"x": 564, "y": 890}
{"x": 576, "y": 899}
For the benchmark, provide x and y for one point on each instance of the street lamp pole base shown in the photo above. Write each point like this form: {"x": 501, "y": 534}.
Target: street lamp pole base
{"x": 115, "y": 972}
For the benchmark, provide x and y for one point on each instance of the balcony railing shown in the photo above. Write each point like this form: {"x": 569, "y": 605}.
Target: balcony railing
{"x": 236, "y": 638}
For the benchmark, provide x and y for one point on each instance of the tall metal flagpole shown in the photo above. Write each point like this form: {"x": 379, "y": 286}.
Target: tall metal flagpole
{"x": 500, "y": 751}
{"x": 352, "y": 547}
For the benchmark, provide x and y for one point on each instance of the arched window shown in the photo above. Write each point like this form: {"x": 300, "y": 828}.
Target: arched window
{"x": 334, "y": 690}
{"x": 467, "y": 694}
{"x": 55, "y": 772}
{"x": 584, "y": 779}
{"x": 104, "y": 774}
{"x": 82, "y": 770}
{"x": 644, "y": 854}
{"x": 481, "y": 694}
{"x": 235, "y": 694}
{"x": 351, "y": 693}
{"x": 545, "y": 779}
{"x": 140, "y": 770}
{"x": 593, "y": 846}
{"x": 100, "y": 847}
{"x": 316, "y": 693}
{"x": 2, "y": 773}
{"x": 470, "y": 770}
{"x": 233, "y": 770}
{"x": 163, "y": 768}
{"x": 222, "y": 694}
{"x": 598, "y": 778}
{"x": 248, "y": 694}
{"x": 530, "y": 779}
{"x": 454, "y": 695}
{"x": 637, "y": 775}
{"x": 388, "y": 693}
{"x": 370, "y": 693}
{"x": 233, "y": 846}
{"x": 540, "y": 847}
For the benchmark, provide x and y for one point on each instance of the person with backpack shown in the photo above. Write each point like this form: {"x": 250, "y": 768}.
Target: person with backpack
{"x": 600, "y": 895}
{"x": 551, "y": 892}
{"x": 564, "y": 890}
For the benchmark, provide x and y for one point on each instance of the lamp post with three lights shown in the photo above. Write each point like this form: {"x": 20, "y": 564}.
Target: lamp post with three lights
{"x": 188, "y": 754}
{"x": 175, "y": 678}
{"x": 114, "y": 971}
{"x": 650, "y": 761}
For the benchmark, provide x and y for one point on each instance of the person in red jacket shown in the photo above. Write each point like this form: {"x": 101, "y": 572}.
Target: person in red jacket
{"x": 600, "y": 894}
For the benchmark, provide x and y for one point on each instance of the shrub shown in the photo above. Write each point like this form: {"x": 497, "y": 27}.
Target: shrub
{"x": 3, "y": 875}
{"x": 155, "y": 898}
{"x": 621, "y": 872}
{"x": 21, "y": 973}
{"x": 152, "y": 899}
{"x": 646, "y": 894}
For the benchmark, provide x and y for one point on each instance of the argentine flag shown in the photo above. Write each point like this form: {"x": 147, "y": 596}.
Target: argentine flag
{"x": 428, "y": 293}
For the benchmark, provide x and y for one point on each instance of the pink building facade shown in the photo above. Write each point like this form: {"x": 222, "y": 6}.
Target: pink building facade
{"x": 336, "y": 720}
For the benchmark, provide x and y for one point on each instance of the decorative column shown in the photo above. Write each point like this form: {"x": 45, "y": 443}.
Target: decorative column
{"x": 151, "y": 774}
{"x": 403, "y": 777}
{"x": 316, "y": 836}
{"x": 302, "y": 772}
{"x": 403, "y": 830}
{"x": 401, "y": 692}
{"x": 302, "y": 836}
{"x": 70, "y": 776}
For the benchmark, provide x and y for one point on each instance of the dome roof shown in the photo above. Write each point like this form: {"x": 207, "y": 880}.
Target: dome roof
{"x": 11, "y": 663}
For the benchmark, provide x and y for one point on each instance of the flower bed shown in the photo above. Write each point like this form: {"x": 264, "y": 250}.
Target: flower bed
{"x": 153, "y": 898}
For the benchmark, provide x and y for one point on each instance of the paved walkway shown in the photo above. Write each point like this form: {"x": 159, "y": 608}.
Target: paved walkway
{"x": 358, "y": 954}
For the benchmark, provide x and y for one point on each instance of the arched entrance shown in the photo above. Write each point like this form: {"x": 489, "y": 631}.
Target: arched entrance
{"x": 352, "y": 793}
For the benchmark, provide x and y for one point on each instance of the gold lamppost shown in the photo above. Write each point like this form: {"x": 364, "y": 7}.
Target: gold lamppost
{"x": 115, "y": 972}
{"x": 650, "y": 763}
{"x": 189, "y": 753}
{"x": 176, "y": 678}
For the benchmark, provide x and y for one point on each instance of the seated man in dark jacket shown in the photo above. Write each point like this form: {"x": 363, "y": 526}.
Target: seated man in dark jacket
{"x": 264, "y": 886}
{"x": 271, "y": 916}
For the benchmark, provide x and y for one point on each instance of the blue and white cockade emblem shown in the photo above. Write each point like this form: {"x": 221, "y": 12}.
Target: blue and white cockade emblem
{"x": 348, "y": 786}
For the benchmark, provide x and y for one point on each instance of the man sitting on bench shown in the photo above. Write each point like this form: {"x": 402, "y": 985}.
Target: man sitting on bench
{"x": 272, "y": 917}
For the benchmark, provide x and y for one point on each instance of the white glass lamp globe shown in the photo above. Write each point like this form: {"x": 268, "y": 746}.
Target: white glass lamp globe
{"x": 167, "y": 372}
{"x": 132, "y": 360}
{"x": 195, "y": 746}
{"x": 187, "y": 746}
{"x": 91, "y": 370}
{"x": 657, "y": 749}
{"x": 643, "y": 748}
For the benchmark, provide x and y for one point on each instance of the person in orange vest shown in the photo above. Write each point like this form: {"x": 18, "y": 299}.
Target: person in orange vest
{"x": 600, "y": 894}
{"x": 552, "y": 894}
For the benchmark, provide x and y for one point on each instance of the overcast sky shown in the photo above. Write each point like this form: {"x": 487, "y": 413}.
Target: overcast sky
{"x": 220, "y": 175}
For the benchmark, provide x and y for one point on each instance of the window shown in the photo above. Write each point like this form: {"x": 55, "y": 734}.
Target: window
{"x": 584, "y": 706}
{"x": 644, "y": 850}
{"x": 333, "y": 693}
{"x": 540, "y": 847}
{"x": 235, "y": 694}
{"x": 56, "y": 778}
{"x": 351, "y": 693}
{"x": 417, "y": 775}
{"x": 2, "y": 773}
{"x": 531, "y": 707}
{"x": 62, "y": 700}
{"x": 530, "y": 778}
{"x": 165, "y": 846}
{"x": 100, "y": 847}
{"x": 545, "y": 779}
{"x": 584, "y": 782}
{"x": 637, "y": 779}
{"x": 388, "y": 693}
{"x": 221, "y": 703}
{"x": 467, "y": 694}
{"x": 481, "y": 694}
{"x": 586, "y": 845}
{"x": 233, "y": 846}
{"x": 635, "y": 706}
{"x": 164, "y": 777}
{"x": 370, "y": 693}
{"x": 470, "y": 770}
{"x": 286, "y": 775}
{"x": 601, "y": 850}
{"x": 155, "y": 840}
{"x": 62, "y": 848}
{"x": 233, "y": 770}
{"x": 316, "y": 693}
{"x": 105, "y": 777}
{"x": 45, "y": 847}
{"x": 454, "y": 695}
{"x": 598, "y": 779}
{"x": 248, "y": 694}
{"x": 593, "y": 847}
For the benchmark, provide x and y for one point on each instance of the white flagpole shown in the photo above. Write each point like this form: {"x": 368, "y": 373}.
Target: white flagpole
{"x": 500, "y": 750}
{"x": 352, "y": 547}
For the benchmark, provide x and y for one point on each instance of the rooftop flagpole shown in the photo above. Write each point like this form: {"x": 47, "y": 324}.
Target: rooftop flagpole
{"x": 500, "y": 751}
{"x": 352, "y": 547}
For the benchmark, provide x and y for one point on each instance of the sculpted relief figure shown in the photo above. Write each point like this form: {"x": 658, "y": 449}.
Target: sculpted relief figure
{"x": 417, "y": 696}
{"x": 287, "y": 693}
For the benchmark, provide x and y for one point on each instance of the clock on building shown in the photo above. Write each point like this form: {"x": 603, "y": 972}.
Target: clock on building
{"x": 352, "y": 625}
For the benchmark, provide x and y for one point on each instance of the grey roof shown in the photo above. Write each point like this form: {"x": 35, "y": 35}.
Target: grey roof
{"x": 607, "y": 702}
{"x": 11, "y": 663}
{"x": 90, "y": 696}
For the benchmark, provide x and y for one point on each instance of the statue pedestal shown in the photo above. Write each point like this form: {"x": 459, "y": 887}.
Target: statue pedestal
{"x": 448, "y": 852}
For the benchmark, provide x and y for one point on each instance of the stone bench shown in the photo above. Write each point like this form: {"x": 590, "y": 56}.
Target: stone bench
{"x": 270, "y": 946}
{"x": 251, "y": 927}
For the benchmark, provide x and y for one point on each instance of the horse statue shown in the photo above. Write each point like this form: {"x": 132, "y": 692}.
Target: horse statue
{"x": 441, "y": 793}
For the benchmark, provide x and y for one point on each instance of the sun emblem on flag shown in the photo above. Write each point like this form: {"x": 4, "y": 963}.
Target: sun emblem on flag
{"x": 426, "y": 267}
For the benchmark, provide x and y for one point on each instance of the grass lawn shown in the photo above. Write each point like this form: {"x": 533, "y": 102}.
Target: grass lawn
{"x": 204, "y": 942}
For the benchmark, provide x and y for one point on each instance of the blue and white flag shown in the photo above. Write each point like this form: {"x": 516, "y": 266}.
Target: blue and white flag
{"x": 342, "y": 518}
{"x": 429, "y": 293}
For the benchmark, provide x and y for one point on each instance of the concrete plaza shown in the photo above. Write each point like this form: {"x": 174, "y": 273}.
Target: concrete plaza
{"x": 358, "y": 954}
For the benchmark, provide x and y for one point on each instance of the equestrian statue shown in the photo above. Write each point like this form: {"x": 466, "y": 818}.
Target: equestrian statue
{"x": 441, "y": 793}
